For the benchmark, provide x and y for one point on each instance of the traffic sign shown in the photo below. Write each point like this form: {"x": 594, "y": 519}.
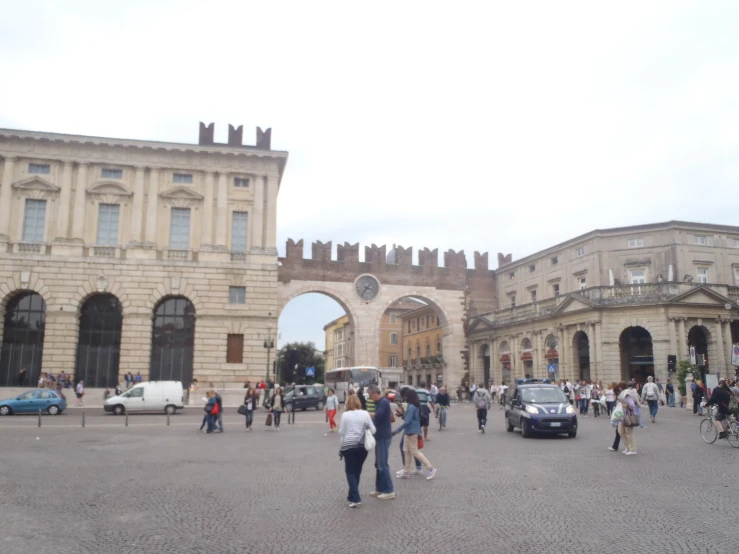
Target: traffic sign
{"x": 310, "y": 371}
{"x": 552, "y": 368}
{"x": 735, "y": 355}
{"x": 692, "y": 356}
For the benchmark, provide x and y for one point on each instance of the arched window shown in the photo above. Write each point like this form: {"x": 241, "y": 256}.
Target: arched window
{"x": 23, "y": 340}
{"x": 428, "y": 349}
{"x": 99, "y": 344}
{"x": 418, "y": 350}
{"x": 438, "y": 345}
{"x": 173, "y": 340}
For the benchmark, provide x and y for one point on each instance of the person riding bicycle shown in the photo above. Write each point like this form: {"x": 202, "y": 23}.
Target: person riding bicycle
{"x": 720, "y": 397}
{"x": 442, "y": 403}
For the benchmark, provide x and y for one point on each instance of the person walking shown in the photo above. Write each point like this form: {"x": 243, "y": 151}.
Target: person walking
{"x": 472, "y": 389}
{"x": 277, "y": 406}
{"x": 670, "y": 391}
{"x": 22, "y": 377}
{"x": 362, "y": 399}
{"x": 650, "y": 393}
{"x": 611, "y": 398}
{"x": 354, "y": 423}
{"x": 219, "y": 415}
{"x": 631, "y": 389}
{"x": 617, "y": 414}
{"x": 250, "y": 403}
{"x": 424, "y": 397}
{"x": 332, "y": 406}
{"x": 383, "y": 438}
{"x": 595, "y": 400}
{"x": 698, "y": 395}
{"x": 412, "y": 428}
{"x": 80, "y": 392}
{"x": 211, "y": 411}
{"x": 482, "y": 403}
{"x": 629, "y": 400}
{"x": 400, "y": 411}
{"x": 129, "y": 380}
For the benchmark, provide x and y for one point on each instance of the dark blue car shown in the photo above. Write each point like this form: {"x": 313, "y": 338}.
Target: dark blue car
{"x": 48, "y": 401}
{"x": 537, "y": 406}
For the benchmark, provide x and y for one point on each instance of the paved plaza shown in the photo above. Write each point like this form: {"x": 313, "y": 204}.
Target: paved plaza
{"x": 149, "y": 488}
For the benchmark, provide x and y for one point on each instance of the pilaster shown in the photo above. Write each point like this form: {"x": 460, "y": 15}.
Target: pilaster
{"x": 257, "y": 225}
{"x": 222, "y": 222}
{"x": 80, "y": 195}
{"x": 6, "y": 195}
{"x": 137, "y": 213}
{"x": 270, "y": 215}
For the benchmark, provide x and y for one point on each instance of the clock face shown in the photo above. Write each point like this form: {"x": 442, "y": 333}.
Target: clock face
{"x": 367, "y": 287}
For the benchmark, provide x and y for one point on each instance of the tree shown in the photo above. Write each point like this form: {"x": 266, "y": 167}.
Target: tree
{"x": 302, "y": 355}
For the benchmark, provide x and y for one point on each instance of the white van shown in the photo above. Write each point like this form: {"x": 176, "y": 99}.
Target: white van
{"x": 153, "y": 396}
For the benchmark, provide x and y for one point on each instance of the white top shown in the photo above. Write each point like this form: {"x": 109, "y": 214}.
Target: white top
{"x": 80, "y": 388}
{"x": 610, "y": 396}
{"x": 352, "y": 427}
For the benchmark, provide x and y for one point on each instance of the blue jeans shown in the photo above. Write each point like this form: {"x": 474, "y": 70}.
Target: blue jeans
{"x": 584, "y": 406}
{"x": 212, "y": 423}
{"x": 276, "y": 416}
{"x": 638, "y": 413}
{"x": 671, "y": 400}
{"x": 402, "y": 455}
{"x": 653, "y": 407}
{"x": 220, "y": 420}
{"x": 249, "y": 418}
{"x": 383, "y": 481}
{"x": 353, "y": 462}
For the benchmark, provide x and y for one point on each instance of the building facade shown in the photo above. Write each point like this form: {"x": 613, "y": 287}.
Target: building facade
{"x": 423, "y": 346}
{"x": 338, "y": 343}
{"x": 613, "y": 304}
{"x": 122, "y": 256}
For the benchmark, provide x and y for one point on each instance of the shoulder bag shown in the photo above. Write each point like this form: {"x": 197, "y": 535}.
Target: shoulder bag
{"x": 369, "y": 440}
{"x": 242, "y": 409}
{"x": 630, "y": 418}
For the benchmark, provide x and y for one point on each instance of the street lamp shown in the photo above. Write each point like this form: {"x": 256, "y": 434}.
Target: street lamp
{"x": 269, "y": 344}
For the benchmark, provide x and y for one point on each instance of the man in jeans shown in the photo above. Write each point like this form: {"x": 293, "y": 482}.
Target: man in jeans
{"x": 482, "y": 403}
{"x": 650, "y": 393}
{"x": 383, "y": 437}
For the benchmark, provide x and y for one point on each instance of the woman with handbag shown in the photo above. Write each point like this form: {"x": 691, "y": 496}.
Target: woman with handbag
{"x": 629, "y": 400}
{"x": 412, "y": 428}
{"x": 355, "y": 422}
{"x": 277, "y": 406}
{"x": 250, "y": 403}
{"x": 616, "y": 413}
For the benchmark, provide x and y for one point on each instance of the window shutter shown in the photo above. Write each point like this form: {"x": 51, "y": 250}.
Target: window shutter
{"x": 235, "y": 349}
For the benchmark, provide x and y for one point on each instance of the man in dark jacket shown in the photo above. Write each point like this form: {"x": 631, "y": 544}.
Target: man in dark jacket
{"x": 219, "y": 401}
{"x": 720, "y": 397}
{"x": 382, "y": 419}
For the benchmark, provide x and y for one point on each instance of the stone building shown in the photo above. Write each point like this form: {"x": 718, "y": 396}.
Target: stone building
{"x": 338, "y": 342}
{"x": 424, "y": 351}
{"x": 613, "y": 304}
{"x": 122, "y": 256}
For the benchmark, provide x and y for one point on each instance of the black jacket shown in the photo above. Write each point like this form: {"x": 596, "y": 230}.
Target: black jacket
{"x": 721, "y": 398}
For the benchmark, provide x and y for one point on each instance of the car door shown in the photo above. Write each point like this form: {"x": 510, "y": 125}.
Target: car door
{"x": 25, "y": 403}
{"x": 515, "y": 410}
{"x": 135, "y": 400}
{"x": 300, "y": 398}
{"x": 44, "y": 399}
{"x": 311, "y": 397}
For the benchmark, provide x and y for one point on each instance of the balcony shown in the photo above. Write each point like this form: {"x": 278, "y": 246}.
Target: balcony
{"x": 178, "y": 255}
{"x": 104, "y": 251}
{"x": 733, "y": 293}
{"x": 238, "y": 256}
{"x": 29, "y": 248}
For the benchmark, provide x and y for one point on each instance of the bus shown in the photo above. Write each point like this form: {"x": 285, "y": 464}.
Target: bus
{"x": 362, "y": 376}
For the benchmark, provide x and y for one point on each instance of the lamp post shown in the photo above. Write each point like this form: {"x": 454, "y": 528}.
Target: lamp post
{"x": 269, "y": 344}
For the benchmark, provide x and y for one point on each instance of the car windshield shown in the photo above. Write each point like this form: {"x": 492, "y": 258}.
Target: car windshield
{"x": 364, "y": 377}
{"x": 548, "y": 395}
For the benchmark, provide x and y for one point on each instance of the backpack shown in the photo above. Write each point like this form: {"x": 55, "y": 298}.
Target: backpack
{"x": 481, "y": 402}
{"x": 651, "y": 393}
{"x": 594, "y": 394}
{"x": 566, "y": 390}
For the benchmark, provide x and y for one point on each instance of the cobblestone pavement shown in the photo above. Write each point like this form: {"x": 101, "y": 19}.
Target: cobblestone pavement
{"x": 150, "y": 488}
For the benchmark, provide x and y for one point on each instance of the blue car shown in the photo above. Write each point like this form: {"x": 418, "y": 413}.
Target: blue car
{"x": 31, "y": 402}
{"x": 538, "y": 406}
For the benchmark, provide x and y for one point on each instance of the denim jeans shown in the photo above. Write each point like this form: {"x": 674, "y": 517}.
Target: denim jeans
{"x": 353, "y": 462}
{"x": 211, "y": 423}
{"x": 617, "y": 440}
{"x": 482, "y": 417}
{"x": 383, "y": 481}
{"x": 276, "y": 416}
{"x": 402, "y": 454}
{"x": 249, "y": 418}
{"x": 653, "y": 407}
{"x": 584, "y": 406}
{"x": 220, "y": 420}
{"x": 671, "y": 400}
{"x": 205, "y": 420}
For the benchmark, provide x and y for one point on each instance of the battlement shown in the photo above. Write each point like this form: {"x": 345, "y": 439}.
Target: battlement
{"x": 235, "y": 137}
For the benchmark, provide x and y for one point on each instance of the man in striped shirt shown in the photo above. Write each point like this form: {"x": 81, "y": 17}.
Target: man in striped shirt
{"x": 425, "y": 397}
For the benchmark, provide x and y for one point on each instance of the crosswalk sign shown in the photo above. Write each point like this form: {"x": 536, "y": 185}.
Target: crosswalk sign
{"x": 310, "y": 371}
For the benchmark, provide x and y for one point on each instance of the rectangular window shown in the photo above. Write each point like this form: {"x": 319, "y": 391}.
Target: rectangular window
{"x": 409, "y": 326}
{"x": 700, "y": 239}
{"x": 235, "y": 349}
{"x": 237, "y": 295}
{"x": 532, "y": 268}
{"x": 241, "y": 182}
{"x": 410, "y": 379}
{"x": 239, "y": 230}
{"x": 179, "y": 229}
{"x": 39, "y": 169}
{"x": 512, "y": 275}
{"x": 108, "y": 215}
{"x": 392, "y": 361}
{"x": 582, "y": 283}
{"x": 533, "y": 296}
{"x": 513, "y": 300}
{"x": 555, "y": 260}
{"x": 736, "y": 276}
{"x": 393, "y": 338}
{"x": 702, "y": 274}
{"x": 555, "y": 289}
{"x": 428, "y": 321}
{"x": 736, "y": 243}
{"x": 112, "y": 173}
{"x": 580, "y": 252}
{"x": 638, "y": 276}
{"x": 393, "y": 318}
{"x": 636, "y": 243}
{"x": 33, "y": 220}
{"x": 184, "y": 178}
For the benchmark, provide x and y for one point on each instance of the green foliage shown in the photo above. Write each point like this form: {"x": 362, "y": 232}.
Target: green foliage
{"x": 302, "y": 354}
{"x": 683, "y": 368}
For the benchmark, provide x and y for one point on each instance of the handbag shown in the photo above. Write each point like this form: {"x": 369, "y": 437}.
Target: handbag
{"x": 630, "y": 418}
{"x": 420, "y": 442}
{"x": 242, "y": 409}
{"x": 268, "y": 423}
{"x": 369, "y": 441}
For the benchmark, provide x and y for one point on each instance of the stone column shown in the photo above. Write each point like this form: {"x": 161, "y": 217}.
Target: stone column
{"x": 61, "y": 333}
{"x": 257, "y": 225}
{"x": 6, "y": 198}
{"x": 80, "y": 196}
{"x": 688, "y": 392}
{"x": 222, "y": 223}
{"x": 681, "y": 339}
{"x": 137, "y": 215}
{"x": 673, "y": 335}
{"x": 152, "y": 207}
{"x": 208, "y": 209}
{"x": 598, "y": 331}
{"x": 65, "y": 195}
{"x": 270, "y": 215}
{"x": 136, "y": 344}
{"x": 718, "y": 333}
{"x": 727, "y": 345}
{"x": 564, "y": 352}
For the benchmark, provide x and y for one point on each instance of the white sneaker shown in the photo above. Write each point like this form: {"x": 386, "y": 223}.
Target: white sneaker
{"x": 630, "y": 453}
{"x": 611, "y": 449}
{"x": 431, "y": 474}
{"x": 354, "y": 504}
{"x": 624, "y": 451}
{"x": 386, "y": 496}
{"x": 375, "y": 493}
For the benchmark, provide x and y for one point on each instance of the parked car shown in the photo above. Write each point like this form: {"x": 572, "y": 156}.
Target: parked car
{"x": 304, "y": 397}
{"x": 31, "y": 402}
{"x": 152, "y": 396}
{"x": 538, "y": 406}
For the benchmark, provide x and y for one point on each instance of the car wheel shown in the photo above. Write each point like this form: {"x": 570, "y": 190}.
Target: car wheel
{"x": 508, "y": 426}
{"x": 525, "y": 432}
{"x": 5, "y": 410}
{"x": 119, "y": 409}
{"x": 572, "y": 434}
{"x": 53, "y": 410}
{"x": 169, "y": 410}
{"x": 303, "y": 409}
{"x": 319, "y": 406}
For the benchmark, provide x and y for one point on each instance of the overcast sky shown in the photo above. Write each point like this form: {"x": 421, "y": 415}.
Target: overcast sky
{"x": 490, "y": 126}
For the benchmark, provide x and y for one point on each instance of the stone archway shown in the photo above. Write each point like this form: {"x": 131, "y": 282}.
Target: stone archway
{"x": 699, "y": 337}
{"x": 581, "y": 358}
{"x": 637, "y": 355}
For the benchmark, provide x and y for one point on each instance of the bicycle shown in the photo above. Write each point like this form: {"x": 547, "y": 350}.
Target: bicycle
{"x": 442, "y": 416}
{"x": 709, "y": 429}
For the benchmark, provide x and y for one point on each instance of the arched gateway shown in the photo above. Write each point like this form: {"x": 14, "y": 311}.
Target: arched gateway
{"x": 366, "y": 289}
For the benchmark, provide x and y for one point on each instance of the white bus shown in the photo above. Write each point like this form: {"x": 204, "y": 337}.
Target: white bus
{"x": 362, "y": 376}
